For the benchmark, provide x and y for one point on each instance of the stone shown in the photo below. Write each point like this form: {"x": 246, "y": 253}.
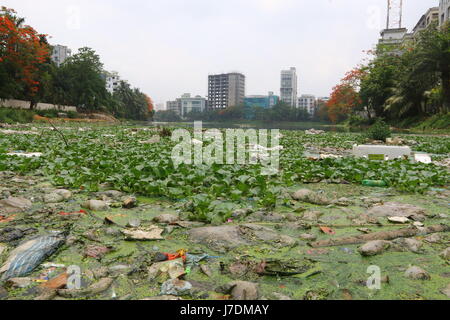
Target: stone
{"x": 445, "y": 254}
{"x": 308, "y": 237}
{"x": 94, "y": 251}
{"x": 19, "y": 282}
{"x": 53, "y": 198}
{"x": 312, "y": 215}
{"x": 174, "y": 269}
{"x": 243, "y": 290}
{"x": 401, "y": 220}
{"x": 163, "y": 298}
{"x": 176, "y": 287}
{"x": 241, "y": 213}
{"x": 434, "y": 238}
{"x": 395, "y": 209}
{"x": 373, "y": 248}
{"x": 13, "y": 205}
{"x": 446, "y": 291}
{"x": 134, "y": 223}
{"x": 302, "y": 194}
{"x": 413, "y": 245}
{"x": 166, "y": 218}
{"x": 219, "y": 237}
{"x": 129, "y": 203}
{"x": 417, "y": 273}
{"x": 110, "y": 194}
{"x": 151, "y": 233}
{"x": 119, "y": 269}
{"x": 96, "y": 205}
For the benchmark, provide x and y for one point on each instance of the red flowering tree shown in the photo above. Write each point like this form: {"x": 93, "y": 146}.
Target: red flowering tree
{"x": 23, "y": 52}
{"x": 345, "y": 96}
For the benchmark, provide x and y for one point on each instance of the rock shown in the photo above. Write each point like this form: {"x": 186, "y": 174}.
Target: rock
{"x": 308, "y": 237}
{"x": 94, "y": 251}
{"x": 174, "y": 269}
{"x": 416, "y": 273}
{"x": 163, "y": 298}
{"x": 94, "y": 289}
{"x": 129, "y": 203}
{"x": 119, "y": 269}
{"x": 176, "y": 287}
{"x": 395, "y": 209}
{"x": 57, "y": 196}
{"x": 445, "y": 254}
{"x": 150, "y": 233}
{"x": 312, "y": 215}
{"x": 13, "y": 205}
{"x": 112, "y": 194}
{"x": 96, "y": 205}
{"x": 373, "y": 248}
{"x": 113, "y": 232}
{"x": 302, "y": 194}
{"x": 413, "y": 245}
{"x": 241, "y": 213}
{"x": 264, "y": 216}
{"x": 166, "y": 218}
{"x": 19, "y": 282}
{"x": 309, "y": 196}
{"x": 343, "y": 202}
{"x": 206, "y": 270}
{"x": 227, "y": 237}
{"x": 434, "y": 238}
{"x": 243, "y": 290}
{"x": 219, "y": 237}
{"x": 134, "y": 223}
{"x": 399, "y": 220}
{"x": 446, "y": 291}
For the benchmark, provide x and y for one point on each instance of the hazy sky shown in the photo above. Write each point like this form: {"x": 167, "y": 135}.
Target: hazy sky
{"x": 168, "y": 47}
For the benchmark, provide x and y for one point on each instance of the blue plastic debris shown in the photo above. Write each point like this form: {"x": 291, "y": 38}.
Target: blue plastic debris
{"x": 29, "y": 255}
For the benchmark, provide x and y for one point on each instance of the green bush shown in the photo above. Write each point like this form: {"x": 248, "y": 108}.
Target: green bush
{"x": 379, "y": 131}
{"x": 11, "y": 116}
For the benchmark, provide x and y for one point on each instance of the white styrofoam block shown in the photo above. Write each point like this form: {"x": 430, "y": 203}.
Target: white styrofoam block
{"x": 389, "y": 152}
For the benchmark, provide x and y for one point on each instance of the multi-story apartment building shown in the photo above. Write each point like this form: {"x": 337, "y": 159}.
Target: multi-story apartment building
{"x": 444, "y": 11}
{"x": 112, "y": 81}
{"x": 428, "y": 18}
{"x": 226, "y": 90}
{"x": 190, "y": 104}
{"x": 60, "y": 54}
{"x": 308, "y": 102}
{"x": 174, "y": 106}
{"x": 288, "y": 91}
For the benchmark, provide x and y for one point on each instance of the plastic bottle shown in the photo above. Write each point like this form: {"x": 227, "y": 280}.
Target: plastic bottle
{"x": 374, "y": 183}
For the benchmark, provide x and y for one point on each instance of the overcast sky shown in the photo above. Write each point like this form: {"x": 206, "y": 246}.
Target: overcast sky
{"x": 168, "y": 47}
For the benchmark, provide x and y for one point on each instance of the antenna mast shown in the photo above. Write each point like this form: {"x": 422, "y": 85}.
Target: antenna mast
{"x": 394, "y": 14}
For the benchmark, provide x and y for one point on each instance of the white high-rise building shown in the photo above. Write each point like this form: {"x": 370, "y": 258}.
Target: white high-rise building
{"x": 444, "y": 11}
{"x": 112, "y": 81}
{"x": 288, "y": 91}
{"x": 60, "y": 54}
{"x": 308, "y": 102}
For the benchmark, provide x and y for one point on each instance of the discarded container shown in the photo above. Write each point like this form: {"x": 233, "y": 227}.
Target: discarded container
{"x": 25, "y": 258}
{"x": 381, "y": 152}
{"x": 374, "y": 183}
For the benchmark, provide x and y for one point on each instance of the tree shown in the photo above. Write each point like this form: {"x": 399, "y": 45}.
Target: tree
{"x": 132, "y": 103}
{"x": 23, "y": 51}
{"x": 80, "y": 82}
{"x": 345, "y": 96}
{"x": 167, "y": 116}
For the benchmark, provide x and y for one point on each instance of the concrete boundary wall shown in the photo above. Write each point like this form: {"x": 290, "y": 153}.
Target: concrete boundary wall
{"x": 20, "y": 104}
